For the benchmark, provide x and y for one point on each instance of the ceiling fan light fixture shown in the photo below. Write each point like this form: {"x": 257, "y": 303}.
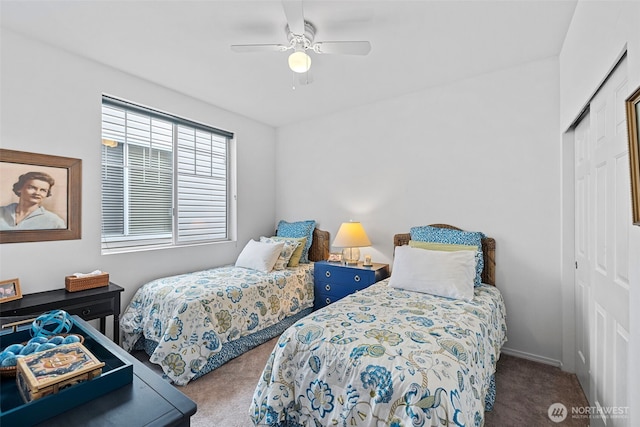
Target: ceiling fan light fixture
{"x": 300, "y": 39}
{"x": 299, "y": 62}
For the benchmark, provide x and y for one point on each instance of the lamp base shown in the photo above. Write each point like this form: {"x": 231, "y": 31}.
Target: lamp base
{"x": 351, "y": 256}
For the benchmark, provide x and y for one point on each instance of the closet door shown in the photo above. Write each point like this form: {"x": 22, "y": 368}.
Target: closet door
{"x": 582, "y": 288}
{"x": 604, "y": 218}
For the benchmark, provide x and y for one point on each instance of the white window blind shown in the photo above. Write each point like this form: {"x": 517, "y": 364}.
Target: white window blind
{"x": 165, "y": 180}
{"x": 202, "y": 185}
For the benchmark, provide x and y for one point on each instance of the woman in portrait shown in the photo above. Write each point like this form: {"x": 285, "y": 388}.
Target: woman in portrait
{"x": 28, "y": 213}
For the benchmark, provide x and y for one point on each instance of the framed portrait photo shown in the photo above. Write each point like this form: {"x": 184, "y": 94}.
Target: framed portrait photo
{"x": 633, "y": 128}
{"x": 40, "y": 197}
{"x": 10, "y": 290}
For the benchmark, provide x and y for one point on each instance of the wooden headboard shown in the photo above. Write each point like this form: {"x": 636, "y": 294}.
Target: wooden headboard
{"x": 488, "y": 251}
{"x": 319, "y": 250}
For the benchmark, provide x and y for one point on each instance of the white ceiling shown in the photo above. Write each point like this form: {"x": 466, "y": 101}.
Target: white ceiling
{"x": 184, "y": 45}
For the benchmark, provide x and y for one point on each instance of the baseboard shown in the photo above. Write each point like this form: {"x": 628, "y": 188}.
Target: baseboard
{"x": 533, "y": 357}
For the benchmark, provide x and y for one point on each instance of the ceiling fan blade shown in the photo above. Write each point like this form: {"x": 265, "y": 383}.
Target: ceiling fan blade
{"x": 244, "y": 48}
{"x": 345, "y": 48}
{"x": 295, "y": 18}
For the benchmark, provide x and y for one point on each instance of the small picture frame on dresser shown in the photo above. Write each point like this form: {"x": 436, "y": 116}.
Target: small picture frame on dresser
{"x": 10, "y": 290}
{"x": 335, "y": 257}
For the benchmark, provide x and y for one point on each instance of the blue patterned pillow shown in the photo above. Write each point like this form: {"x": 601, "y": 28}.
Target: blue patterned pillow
{"x": 298, "y": 229}
{"x": 446, "y": 235}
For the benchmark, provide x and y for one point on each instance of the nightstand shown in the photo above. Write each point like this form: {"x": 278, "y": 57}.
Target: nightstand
{"x": 333, "y": 281}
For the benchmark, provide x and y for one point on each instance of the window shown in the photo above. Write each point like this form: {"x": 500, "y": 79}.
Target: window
{"x": 165, "y": 180}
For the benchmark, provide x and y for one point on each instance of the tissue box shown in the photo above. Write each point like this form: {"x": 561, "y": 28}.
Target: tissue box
{"x": 74, "y": 284}
{"x": 50, "y": 371}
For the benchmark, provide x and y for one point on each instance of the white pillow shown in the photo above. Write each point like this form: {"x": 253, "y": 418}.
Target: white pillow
{"x": 447, "y": 274}
{"x": 259, "y": 255}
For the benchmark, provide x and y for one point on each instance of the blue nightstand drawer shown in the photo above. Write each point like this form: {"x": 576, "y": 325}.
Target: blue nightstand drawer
{"x": 333, "y": 281}
{"x": 345, "y": 275}
{"x": 322, "y": 300}
{"x": 336, "y": 290}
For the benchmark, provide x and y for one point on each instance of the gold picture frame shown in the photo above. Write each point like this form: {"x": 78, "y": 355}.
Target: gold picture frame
{"x": 59, "y": 209}
{"x": 633, "y": 128}
{"x": 10, "y": 290}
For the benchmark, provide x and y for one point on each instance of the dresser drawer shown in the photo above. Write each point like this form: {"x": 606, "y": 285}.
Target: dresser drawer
{"x": 327, "y": 293}
{"x": 344, "y": 275}
{"x": 93, "y": 310}
{"x": 336, "y": 290}
{"x": 322, "y": 299}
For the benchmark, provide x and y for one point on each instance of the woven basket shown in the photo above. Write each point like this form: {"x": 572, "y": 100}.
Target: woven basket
{"x": 74, "y": 284}
{"x": 10, "y": 371}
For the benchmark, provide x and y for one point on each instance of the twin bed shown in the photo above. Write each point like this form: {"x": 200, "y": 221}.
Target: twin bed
{"x": 386, "y": 356}
{"x": 393, "y": 354}
{"x": 192, "y": 323}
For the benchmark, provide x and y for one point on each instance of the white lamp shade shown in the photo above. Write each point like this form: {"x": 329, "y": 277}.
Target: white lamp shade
{"x": 299, "y": 62}
{"x": 351, "y": 235}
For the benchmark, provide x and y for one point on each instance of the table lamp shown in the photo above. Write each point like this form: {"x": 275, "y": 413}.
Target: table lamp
{"x": 351, "y": 236}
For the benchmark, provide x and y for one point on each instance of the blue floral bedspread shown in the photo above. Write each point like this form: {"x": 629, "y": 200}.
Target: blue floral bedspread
{"x": 192, "y": 315}
{"x": 385, "y": 357}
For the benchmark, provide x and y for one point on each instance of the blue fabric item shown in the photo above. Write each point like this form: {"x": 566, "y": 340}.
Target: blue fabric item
{"x": 232, "y": 349}
{"x": 428, "y": 233}
{"x": 490, "y": 398}
{"x": 51, "y": 323}
{"x": 298, "y": 229}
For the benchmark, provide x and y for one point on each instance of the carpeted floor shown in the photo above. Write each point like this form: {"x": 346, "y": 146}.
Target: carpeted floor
{"x": 525, "y": 390}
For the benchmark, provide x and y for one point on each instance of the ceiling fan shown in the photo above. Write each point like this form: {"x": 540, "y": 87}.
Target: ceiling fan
{"x": 300, "y": 36}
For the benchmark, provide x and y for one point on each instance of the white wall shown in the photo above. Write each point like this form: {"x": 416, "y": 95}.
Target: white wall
{"x": 598, "y": 34}
{"x": 51, "y": 104}
{"x": 482, "y": 154}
